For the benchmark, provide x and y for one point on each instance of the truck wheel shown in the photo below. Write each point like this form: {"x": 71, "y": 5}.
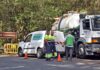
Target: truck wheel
{"x": 20, "y": 52}
{"x": 39, "y": 53}
{"x": 81, "y": 51}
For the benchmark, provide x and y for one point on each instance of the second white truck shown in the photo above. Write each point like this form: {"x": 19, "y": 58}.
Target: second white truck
{"x": 34, "y": 43}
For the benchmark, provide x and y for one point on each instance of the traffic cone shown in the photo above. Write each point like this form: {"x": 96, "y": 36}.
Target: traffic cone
{"x": 59, "y": 59}
{"x": 26, "y": 56}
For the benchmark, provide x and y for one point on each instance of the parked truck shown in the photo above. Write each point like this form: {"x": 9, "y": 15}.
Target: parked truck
{"x": 85, "y": 28}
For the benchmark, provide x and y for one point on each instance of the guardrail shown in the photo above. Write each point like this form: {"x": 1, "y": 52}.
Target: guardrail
{"x": 10, "y": 48}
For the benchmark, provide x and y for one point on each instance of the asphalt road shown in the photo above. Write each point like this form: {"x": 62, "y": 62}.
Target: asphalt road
{"x": 19, "y": 63}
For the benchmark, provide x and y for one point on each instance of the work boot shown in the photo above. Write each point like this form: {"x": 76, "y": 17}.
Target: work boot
{"x": 47, "y": 59}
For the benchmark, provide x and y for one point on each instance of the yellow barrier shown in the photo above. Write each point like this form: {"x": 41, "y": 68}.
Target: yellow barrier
{"x": 10, "y": 48}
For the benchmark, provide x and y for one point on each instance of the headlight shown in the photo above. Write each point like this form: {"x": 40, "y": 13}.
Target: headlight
{"x": 94, "y": 40}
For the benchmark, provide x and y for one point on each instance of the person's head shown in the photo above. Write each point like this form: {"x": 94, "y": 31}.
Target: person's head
{"x": 48, "y": 32}
{"x": 69, "y": 32}
{"x": 52, "y": 32}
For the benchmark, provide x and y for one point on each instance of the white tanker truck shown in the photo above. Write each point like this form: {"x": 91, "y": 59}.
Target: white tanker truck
{"x": 86, "y": 29}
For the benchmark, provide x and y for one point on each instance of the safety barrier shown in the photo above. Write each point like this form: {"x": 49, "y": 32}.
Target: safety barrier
{"x": 59, "y": 43}
{"x": 10, "y": 48}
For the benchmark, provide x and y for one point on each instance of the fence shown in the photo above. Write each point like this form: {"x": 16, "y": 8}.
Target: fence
{"x": 10, "y": 48}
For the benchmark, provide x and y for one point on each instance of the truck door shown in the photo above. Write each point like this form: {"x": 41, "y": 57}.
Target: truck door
{"x": 59, "y": 40}
{"x": 27, "y": 44}
{"x": 85, "y": 30}
{"x": 38, "y": 40}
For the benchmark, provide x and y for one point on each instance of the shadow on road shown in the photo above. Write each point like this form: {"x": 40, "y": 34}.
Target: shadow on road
{"x": 93, "y": 57}
{"x": 87, "y": 57}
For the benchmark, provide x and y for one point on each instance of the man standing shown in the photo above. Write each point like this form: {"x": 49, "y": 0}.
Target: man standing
{"x": 69, "y": 42}
{"x": 48, "y": 54}
{"x": 53, "y": 48}
{"x": 50, "y": 46}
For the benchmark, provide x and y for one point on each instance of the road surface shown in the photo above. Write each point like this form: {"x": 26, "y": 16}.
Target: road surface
{"x": 19, "y": 63}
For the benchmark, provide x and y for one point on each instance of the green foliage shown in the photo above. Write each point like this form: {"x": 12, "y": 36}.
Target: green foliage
{"x": 24, "y": 16}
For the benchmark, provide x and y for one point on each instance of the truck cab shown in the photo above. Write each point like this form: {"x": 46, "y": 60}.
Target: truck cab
{"x": 34, "y": 43}
{"x": 89, "y": 40}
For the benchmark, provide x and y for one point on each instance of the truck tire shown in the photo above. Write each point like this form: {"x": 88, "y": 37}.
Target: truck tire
{"x": 81, "y": 51}
{"x": 39, "y": 53}
{"x": 20, "y": 52}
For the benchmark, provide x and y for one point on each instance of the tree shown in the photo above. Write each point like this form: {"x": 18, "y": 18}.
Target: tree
{"x": 24, "y": 16}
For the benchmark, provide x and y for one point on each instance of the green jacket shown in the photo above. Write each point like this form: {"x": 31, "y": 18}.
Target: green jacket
{"x": 69, "y": 42}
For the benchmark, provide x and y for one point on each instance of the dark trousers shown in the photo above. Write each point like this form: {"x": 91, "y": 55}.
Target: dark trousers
{"x": 69, "y": 52}
{"x": 53, "y": 48}
{"x": 48, "y": 47}
{"x": 48, "y": 51}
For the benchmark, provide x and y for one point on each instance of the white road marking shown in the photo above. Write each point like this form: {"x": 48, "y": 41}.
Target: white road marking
{"x": 87, "y": 60}
{"x": 85, "y": 67}
{"x": 68, "y": 66}
{"x": 4, "y": 55}
{"x": 96, "y": 68}
{"x": 91, "y": 63}
{"x": 6, "y": 68}
{"x": 79, "y": 63}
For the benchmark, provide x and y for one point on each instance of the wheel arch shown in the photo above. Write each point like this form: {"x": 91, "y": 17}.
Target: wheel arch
{"x": 19, "y": 48}
{"x": 81, "y": 41}
{"x": 38, "y": 48}
{"x": 41, "y": 50}
{"x": 20, "y": 54}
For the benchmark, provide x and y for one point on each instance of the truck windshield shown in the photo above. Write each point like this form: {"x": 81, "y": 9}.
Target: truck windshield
{"x": 86, "y": 24}
{"x": 96, "y": 23}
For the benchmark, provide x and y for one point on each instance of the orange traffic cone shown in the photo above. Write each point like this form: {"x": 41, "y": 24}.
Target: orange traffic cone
{"x": 26, "y": 56}
{"x": 59, "y": 59}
